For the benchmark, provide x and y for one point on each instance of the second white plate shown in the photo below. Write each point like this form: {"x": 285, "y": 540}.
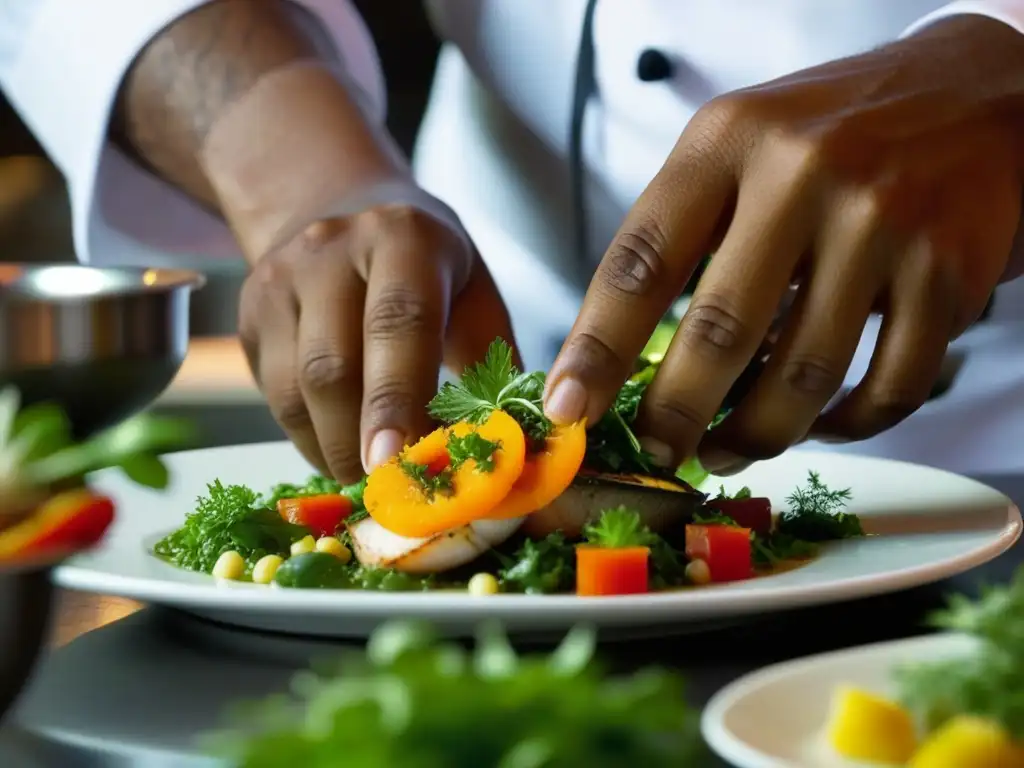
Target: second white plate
{"x": 776, "y": 717}
{"x": 959, "y": 525}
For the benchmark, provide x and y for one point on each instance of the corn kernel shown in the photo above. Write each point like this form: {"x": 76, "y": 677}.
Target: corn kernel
{"x": 303, "y": 545}
{"x": 331, "y": 546}
{"x": 482, "y": 584}
{"x": 265, "y": 569}
{"x": 229, "y": 565}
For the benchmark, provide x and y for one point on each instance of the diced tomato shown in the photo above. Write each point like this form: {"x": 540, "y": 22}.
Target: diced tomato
{"x": 321, "y": 514}
{"x": 755, "y": 513}
{"x": 67, "y": 523}
{"x": 611, "y": 571}
{"x": 725, "y": 548}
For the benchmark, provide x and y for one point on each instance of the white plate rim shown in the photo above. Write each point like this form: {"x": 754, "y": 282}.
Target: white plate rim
{"x": 728, "y": 747}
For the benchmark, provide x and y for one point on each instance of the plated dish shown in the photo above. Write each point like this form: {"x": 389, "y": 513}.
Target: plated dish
{"x": 499, "y": 499}
{"x": 950, "y": 700}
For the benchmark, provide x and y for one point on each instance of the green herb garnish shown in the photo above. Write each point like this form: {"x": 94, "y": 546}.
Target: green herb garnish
{"x": 540, "y": 567}
{"x": 37, "y": 450}
{"x": 815, "y": 513}
{"x": 494, "y": 385}
{"x": 410, "y": 701}
{"x": 431, "y": 483}
{"x": 989, "y": 682}
{"x": 229, "y": 517}
{"x": 472, "y": 446}
{"x": 617, "y": 528}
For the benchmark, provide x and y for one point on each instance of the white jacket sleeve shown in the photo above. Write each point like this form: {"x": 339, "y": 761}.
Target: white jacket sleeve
{"x": 61, "y": 64}
{"x": 1010, "y": 12}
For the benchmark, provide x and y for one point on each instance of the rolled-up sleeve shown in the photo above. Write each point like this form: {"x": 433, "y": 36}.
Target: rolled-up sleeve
{"x": 61, "y": 65}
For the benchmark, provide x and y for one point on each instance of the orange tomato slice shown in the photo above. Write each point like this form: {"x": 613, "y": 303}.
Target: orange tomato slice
{"x": 398, "y": 502}
{"x": 547, "y": 473}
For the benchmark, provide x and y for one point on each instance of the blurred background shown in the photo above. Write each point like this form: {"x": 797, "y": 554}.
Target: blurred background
{"x": 214, "y": 386}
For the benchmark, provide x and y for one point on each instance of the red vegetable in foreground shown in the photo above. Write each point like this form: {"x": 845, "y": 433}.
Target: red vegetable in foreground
{"x": 66, "y": 523}
{"x": 753, "y": 513}
{"x": 725, "y": 548}
{"x": 321, "y": 514}
{"x": 611, "y": 571}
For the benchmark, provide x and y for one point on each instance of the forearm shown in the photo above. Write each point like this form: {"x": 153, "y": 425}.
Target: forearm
{"x": 232, "y": 105}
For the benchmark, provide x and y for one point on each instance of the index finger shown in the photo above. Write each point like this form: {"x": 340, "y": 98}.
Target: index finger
{"x": 407, "y": 297}
{"x": 666, "y": 234}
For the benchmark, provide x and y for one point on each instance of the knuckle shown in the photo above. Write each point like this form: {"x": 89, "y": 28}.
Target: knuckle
{"x": 674, "y": 417}
{"x": 594, "y": 358}
{"x": 398, "y": 312}
{"x": 327, "y": 369}
{"x": 388, "y": 402}
{"x": 635, "y": 264}
{"x": 891, "y": 405}
{"x": 342, "y": 458}
{"x": 757, "y": 446}
{"x": 289, "y": 409}
{"x": 812, "y": 375}
{"x": 712, "y": 326}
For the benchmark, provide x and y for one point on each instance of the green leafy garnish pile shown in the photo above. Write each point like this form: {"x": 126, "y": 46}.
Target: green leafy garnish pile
{"x": 413, "y": 702}
{"x": 38, "y": 451}
{"x": 541, "y": 567}
{"x": 235, "y": 517}
{"x": 229, "y": 517}
{"x": 988, "y": 683}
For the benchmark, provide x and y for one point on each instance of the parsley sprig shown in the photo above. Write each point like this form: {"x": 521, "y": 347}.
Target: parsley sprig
{"x": 618, "y": 528}
{"x": 494, "y": 385}
{"x": 816, "y": 513}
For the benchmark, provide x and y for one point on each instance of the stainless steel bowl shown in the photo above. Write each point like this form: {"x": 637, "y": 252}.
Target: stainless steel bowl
{"x": 102, "y": 343}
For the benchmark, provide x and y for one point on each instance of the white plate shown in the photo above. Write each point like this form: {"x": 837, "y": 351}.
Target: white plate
{"x": 980, "y": 524}
{"x": 776, "y": 717}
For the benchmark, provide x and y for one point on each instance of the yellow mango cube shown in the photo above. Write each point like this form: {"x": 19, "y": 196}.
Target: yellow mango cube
{"x": 969, "y": 742}
{"x": 870, "y": 728}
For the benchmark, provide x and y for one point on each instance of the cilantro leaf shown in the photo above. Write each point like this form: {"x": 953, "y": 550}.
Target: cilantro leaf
{"x": 462, "y": 448}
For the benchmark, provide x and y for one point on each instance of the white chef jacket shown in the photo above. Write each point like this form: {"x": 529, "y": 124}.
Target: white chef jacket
{"x": 494, "y": 142}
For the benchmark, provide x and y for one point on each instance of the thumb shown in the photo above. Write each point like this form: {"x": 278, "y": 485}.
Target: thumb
{"x": 478, "y": 316}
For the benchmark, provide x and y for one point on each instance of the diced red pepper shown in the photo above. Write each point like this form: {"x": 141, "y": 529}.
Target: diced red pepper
{"x": 754, "y": 513}
{"x": 611, "y": 571}
{"x": 725, "y": 548}
{"x": 321, "y": 514}
{"x": 66, "y": 523}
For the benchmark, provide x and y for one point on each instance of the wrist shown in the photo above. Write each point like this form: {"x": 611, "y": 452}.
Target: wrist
{"x": 296, "y": 148}
{"x": 970, "y": 59}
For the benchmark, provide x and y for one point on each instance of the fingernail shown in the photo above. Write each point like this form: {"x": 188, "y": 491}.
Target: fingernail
{"x": 384, "y": 445}
{"x": 660, "y": 452}
{"x": 567, "y": 402}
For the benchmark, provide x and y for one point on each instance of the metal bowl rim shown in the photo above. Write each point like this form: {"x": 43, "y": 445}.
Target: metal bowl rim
{"x": 21, "y": 282}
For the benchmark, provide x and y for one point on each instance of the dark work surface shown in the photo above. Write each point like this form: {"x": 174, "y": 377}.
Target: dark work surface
{"x": 709, "y": 660}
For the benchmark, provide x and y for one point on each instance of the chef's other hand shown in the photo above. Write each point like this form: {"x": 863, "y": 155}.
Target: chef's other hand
{"x": 888, "y": 182}
{"x": 346, "y": 326}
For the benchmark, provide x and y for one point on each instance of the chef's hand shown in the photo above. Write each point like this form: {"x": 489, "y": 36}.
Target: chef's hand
{"x": 346, "y": 326}
{"x": 886, "y": 182}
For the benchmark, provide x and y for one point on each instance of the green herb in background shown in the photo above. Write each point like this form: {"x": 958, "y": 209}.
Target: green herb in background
{"x": 988, "y": 683}
{"x": 37, "y": 449}
{"x": 414, "y": 702}
{"x": 618, "y": 528}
